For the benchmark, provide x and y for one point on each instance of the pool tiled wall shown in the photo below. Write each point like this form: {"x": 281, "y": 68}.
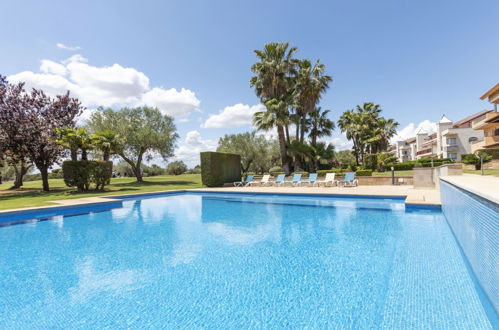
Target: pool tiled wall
{"x": 475, "y": 223}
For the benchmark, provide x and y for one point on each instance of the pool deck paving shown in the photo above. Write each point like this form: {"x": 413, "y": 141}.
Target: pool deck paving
{"x": 413, "y": 196}
{"x": 485, "y": 186}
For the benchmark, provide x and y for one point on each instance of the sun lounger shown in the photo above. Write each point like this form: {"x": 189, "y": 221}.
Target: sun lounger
{"x": 294, "y": 181}
{"x": 328, "y": 180}
{"x": 312, "y": 179}
{"x": 249, "y": 179}
{"x": 262, "y": 182}
{"x": 350, "y": 180}
{"x": 278, "y": 181}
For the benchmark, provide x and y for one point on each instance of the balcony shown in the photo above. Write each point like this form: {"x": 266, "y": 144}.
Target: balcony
{"x": 451, "y": 147}
{"x": 481, "y": 122}
{"x": 424, "y": 152}
{"x": 491, "y": 141}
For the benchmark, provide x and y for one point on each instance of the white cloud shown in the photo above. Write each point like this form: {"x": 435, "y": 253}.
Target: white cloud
{"x": 109, "y": 86}
{"x": 411, "y": 129}
{"x": 63, "y": 46}
{"x": 172, "y": 102}
{"x": 193, "y": 144}
{"x": 341, "y": 143}
{"x": 233, "y": 116}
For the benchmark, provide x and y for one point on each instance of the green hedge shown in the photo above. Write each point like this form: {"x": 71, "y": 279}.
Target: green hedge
{"x": 218, "y": 168}
{"x": 364, "y": 172}
{"x": 82, "y": 173}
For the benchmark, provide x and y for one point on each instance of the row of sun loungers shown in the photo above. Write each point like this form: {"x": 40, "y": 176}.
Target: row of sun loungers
{"x": 296, "y": 181}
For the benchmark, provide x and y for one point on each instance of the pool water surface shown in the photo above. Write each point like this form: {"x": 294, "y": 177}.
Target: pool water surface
{"x": 195, "y": 260}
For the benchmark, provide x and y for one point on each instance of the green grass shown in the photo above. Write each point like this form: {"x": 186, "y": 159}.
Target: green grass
{"x": 486, "y": 172}
{"x": 397, "y": 173}
{"x": 31, "y": 195}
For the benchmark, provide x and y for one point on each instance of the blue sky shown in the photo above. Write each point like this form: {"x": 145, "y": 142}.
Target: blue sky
{"x": 417, "y": 59}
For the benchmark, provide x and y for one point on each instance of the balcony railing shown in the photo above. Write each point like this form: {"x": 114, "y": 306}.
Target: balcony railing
{"x": 424, "y": 151}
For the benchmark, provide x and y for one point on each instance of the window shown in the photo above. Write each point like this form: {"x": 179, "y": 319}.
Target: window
{"x": 452, "y": 156}
{"x": 496, "y": 132}
{"x": 451, "y": 141}
{"x": 472, "y": 139}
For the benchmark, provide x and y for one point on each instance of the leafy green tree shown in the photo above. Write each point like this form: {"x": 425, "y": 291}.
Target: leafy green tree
{"x": 383, "y": 159}
{"x": 273, "y": 82}
{"x": 344, "y": 158}
{"x": 144, "y": 130}
{"x": 472, "y": 159}
{"x": 254, "y": 149}
{"x": 176, "y": 168}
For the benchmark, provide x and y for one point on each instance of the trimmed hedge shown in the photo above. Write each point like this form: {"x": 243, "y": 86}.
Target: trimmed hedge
{"x": 218, "y": 168}
{"x": 364, "y": 172}
{"x": 300, "y": 172}
{"x": 82, "y": 173}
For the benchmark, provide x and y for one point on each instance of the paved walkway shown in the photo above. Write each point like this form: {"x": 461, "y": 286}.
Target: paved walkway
{"x": 486, "y": 186}
{"x": 414, "y": 196}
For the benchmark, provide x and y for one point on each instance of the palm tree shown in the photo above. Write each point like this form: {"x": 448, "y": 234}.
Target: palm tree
{"x": 108, "y": 142}
{"x": 322, "y": 152}
{"x": 273, "y": 85}
{"x": 74, "y": 139}
{"x": 311, "y": 82}
{"x": 320, "y": 125}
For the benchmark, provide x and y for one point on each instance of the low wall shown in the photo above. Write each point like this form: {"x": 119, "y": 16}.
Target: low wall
{"x": 424, "y": 177}
{"x": 475, "y": 223}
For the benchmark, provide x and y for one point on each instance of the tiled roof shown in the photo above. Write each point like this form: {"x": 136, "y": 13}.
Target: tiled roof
{"x": 470, "y": 118}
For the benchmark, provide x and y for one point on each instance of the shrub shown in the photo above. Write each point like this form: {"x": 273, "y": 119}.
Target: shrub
{"x": 76, "y": 174}
{"x": 337, "y": 171}
{"x": 364, "y": 172}
{"x": 218, "y": 168}
{"x": 276, "y": 170}
{"x": 176, "y": 168}
{"x": 493, "y": 152}
{"x": 100, "y": 173}
{"x": 471, "y": 159}
{"x": 371, "y": 162}
{"x": 81, "y": 173}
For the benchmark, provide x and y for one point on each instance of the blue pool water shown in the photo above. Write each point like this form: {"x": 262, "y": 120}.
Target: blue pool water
{"x": 195, "y": 260}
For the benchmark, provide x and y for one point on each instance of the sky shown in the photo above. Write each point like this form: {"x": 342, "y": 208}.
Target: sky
{"x": 191, "y": 59}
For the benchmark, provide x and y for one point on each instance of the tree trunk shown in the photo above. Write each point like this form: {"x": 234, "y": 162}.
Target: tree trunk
{"x": 105, "y": 155}
{"x": 20, "y": 170}
{"x": 282, "y": 147}
{"x": 287, "y": 134}
{"x": 84, "y": 155}
{"x": 74, "y": 155}
{"x": 135, "y": 166}
{"x": 44, "y": 171}
{"x": 302, "y": 129}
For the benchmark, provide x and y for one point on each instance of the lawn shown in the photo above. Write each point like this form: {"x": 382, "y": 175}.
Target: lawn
{"x": 486, "y": 172}
{"x": 31, "y": 194}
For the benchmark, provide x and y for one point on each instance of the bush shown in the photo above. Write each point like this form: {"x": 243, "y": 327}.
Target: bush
{"x": 176, "y": 168}
{"x": 76, "y": 174}
{"x": 371, "y": 162}
{"x": 100, "y": 173}
{"x": 276, "y": 170}
{"x": 364, "y": 172}
{"x": 81, "y": 173}
{"x": 337, "y": 171}
{"x": 218, "y": 168}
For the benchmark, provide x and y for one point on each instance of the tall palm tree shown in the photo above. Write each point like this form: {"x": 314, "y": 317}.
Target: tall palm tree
{"x": 273, "y": 85}
{"x": 310, "y": 83}
{"x": 320, "y": 125}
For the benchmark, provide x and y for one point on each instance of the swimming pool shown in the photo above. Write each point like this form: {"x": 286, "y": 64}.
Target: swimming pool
{"x": 237, "y": 260}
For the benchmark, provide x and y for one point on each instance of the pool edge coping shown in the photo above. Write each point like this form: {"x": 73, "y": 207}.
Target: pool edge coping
{"x": 87, "y": 201}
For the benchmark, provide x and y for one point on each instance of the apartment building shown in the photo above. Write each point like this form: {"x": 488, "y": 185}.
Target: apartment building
{"x": 450, "y": 140}
{"x": 488, "y": 124}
